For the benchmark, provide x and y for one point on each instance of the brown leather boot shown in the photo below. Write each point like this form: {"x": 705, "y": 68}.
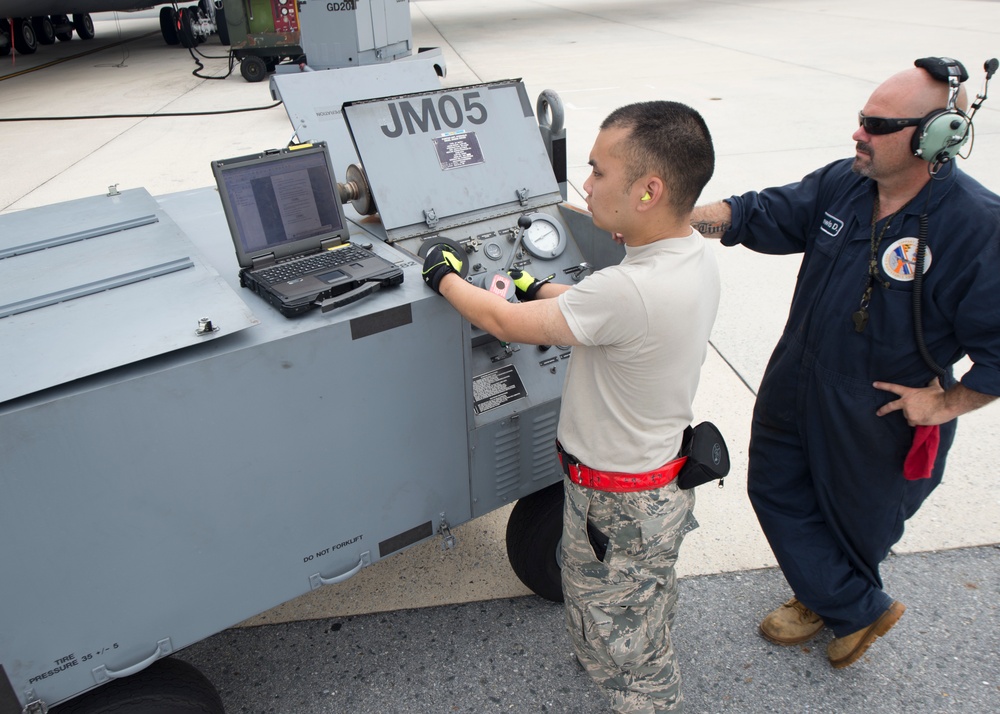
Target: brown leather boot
{"x": 791, "y": 624}
{"x": 845, "y": 651}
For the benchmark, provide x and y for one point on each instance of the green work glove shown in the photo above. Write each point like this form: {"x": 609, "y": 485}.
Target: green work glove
{"x": 525, "y": 286}
{"x": 440, "y": 260}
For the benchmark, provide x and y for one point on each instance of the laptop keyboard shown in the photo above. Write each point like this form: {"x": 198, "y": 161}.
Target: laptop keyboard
{"x": 283, "y": 272}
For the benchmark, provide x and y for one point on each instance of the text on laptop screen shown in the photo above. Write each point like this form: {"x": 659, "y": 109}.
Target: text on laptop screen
{"x": 282, "y": 201}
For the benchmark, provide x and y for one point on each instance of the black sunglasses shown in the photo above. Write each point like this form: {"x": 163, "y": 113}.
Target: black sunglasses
{"x": 885, "y": 125}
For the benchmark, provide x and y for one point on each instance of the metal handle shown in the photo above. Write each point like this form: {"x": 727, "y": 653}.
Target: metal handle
{"x": 103, "y": 674}
{"x": 548, "y": 104}
{"x": 318, "y": 581}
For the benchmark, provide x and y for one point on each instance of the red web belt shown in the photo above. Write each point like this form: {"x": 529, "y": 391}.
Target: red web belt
{"x": 583, "y": 475}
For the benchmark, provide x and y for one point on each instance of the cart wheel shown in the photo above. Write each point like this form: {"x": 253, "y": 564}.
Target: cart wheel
{"x": 253, "y": 68}
{"x": 168, "y": 25}
{"x": 534, "y": 535}
{"x": 169, "y": 685}
{"x": 84, "y": 26}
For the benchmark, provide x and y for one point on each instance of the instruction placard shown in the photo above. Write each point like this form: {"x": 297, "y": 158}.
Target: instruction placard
{"x": 496, "y": 388}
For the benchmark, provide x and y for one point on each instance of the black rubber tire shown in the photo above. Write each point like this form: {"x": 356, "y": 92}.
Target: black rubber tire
{"x": 168, "y": 25}
{"x": 221, "y": 26}
{"x": 44, "y": 30}
{"x": 534, "y": 533}
{"x": 66, "y": 34}
{"x": 253, "y": 68}
{"x": 84, "y": 26}
{"x": 4, "y": 38}
{"x": 185, "y": 34}
{"x": 25, "y": 41}
{"x": 168, "y": 686}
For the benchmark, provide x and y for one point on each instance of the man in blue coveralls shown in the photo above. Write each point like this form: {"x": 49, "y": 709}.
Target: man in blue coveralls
{"x": 852, "y": 425}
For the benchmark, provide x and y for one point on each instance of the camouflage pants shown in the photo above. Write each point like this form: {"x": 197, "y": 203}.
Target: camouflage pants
{"x": 619, "y": 610}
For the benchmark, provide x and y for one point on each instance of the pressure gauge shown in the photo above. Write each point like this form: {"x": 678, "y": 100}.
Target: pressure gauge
{"x": 493, "y": 251}
{"x": 545, "y": 238}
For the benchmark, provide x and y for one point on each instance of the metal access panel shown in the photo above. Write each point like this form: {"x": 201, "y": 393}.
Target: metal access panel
{"x": 353, "y": 33}
{"x": 154, "y": 503}
{"x": 471, "y": 152}
{"x": 314, "y": 100}
{"x": 100, "y": 282}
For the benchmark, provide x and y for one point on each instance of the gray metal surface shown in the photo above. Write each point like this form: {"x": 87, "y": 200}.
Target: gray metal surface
{"x": 470, "y": 153}
{"x": 184, "y": 489}
{"x": 350, "y": 33}
{"x": 514, "y": 655}
{"x": 100, "y": 282}
{"x": 313, "y": 100}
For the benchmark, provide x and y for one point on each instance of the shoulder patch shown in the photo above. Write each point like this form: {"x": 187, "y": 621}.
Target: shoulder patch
{"x": 831, "y": 225}
{"x": 899, "y": 261}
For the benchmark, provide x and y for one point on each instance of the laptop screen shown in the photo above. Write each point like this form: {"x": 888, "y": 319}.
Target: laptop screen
{"x": 285, "y": 202}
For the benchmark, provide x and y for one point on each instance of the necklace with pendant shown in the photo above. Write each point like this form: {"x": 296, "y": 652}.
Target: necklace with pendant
{"x": 860, "y": 316}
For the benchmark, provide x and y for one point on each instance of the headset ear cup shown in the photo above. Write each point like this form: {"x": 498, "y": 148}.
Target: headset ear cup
{"x": 940, "y": 135}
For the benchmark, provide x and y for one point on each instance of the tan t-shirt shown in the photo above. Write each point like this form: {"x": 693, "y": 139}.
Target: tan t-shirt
{"x": 644, "y": 327}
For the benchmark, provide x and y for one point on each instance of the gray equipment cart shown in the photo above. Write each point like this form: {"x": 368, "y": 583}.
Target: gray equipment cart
{"x": 176, "y": 456}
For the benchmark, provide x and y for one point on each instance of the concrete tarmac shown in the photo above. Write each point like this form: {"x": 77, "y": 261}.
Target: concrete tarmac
{"x": 779, "y": 83}
{"x": 513, "y": 654}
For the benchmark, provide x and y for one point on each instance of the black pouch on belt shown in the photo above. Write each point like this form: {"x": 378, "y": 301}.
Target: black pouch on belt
{"x": 707, "y": 456}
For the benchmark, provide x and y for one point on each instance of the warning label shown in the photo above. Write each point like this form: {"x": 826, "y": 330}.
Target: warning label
{"x": 458, "y": 149}
{"x": 496, "y": 388}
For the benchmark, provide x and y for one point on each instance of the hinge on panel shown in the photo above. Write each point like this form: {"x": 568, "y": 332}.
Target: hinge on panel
{"x": 444, "y": 530}
{"x": 34, "y": 705}
{"x": 113, "y": 190}
{"x": 522, "y": 196}
{"x": 430, "y": 217}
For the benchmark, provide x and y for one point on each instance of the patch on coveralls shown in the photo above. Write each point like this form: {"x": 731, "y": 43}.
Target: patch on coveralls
{"x": 831, "y": 224}
{"x": 899, "y": 261}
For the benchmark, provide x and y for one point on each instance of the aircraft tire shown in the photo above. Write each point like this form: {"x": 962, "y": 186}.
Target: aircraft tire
{"x": 44, "y": 31}
{"x": 25, "y": 40}
{"x": 534, "y": 536}
{"x": 168, "y": 25}
{"x": 223, "y": 28}
{"x": 84, "y": 26}
{"x": 185, "y": 33}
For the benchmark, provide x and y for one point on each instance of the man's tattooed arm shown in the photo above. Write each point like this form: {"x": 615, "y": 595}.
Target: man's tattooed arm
{"x": 713, "y": 219}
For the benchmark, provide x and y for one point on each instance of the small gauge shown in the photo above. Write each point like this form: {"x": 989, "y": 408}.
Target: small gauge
{"x": 493, "y": 251}
{"x": 545, "y": 238}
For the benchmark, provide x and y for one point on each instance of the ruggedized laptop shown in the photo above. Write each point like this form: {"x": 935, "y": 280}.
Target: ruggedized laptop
{"x": 290, "y": 233}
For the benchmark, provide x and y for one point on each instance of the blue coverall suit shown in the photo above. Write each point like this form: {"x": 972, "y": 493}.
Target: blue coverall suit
{"x": 826, "y": 474}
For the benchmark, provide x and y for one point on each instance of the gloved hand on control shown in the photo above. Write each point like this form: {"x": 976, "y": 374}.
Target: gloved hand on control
{"x": 439, "y": 261}
{"x": 525, "y": 285}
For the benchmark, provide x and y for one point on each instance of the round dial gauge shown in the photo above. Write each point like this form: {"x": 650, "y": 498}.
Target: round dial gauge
{"x": 545, "y": 238}
{"x": 493, "y": 251}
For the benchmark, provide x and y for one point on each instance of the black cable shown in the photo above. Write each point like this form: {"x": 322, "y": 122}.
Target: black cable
{"x": 200, "y": 66}
{"x": 143, "y": 116}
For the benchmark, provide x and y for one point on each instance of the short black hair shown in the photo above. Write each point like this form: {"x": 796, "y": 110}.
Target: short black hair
{"x": 670, "y": 140}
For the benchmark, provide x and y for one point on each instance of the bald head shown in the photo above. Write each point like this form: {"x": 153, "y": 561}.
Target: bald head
{"x": 912, "y": 93}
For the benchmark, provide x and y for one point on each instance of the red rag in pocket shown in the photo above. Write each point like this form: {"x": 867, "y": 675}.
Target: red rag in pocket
{"x": 923, "y": 452}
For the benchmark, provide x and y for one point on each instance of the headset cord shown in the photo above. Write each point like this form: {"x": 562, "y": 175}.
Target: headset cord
{"x": 918, "y": 285}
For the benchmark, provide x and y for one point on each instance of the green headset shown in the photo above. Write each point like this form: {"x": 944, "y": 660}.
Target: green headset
{"x": 943, "y": 132}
